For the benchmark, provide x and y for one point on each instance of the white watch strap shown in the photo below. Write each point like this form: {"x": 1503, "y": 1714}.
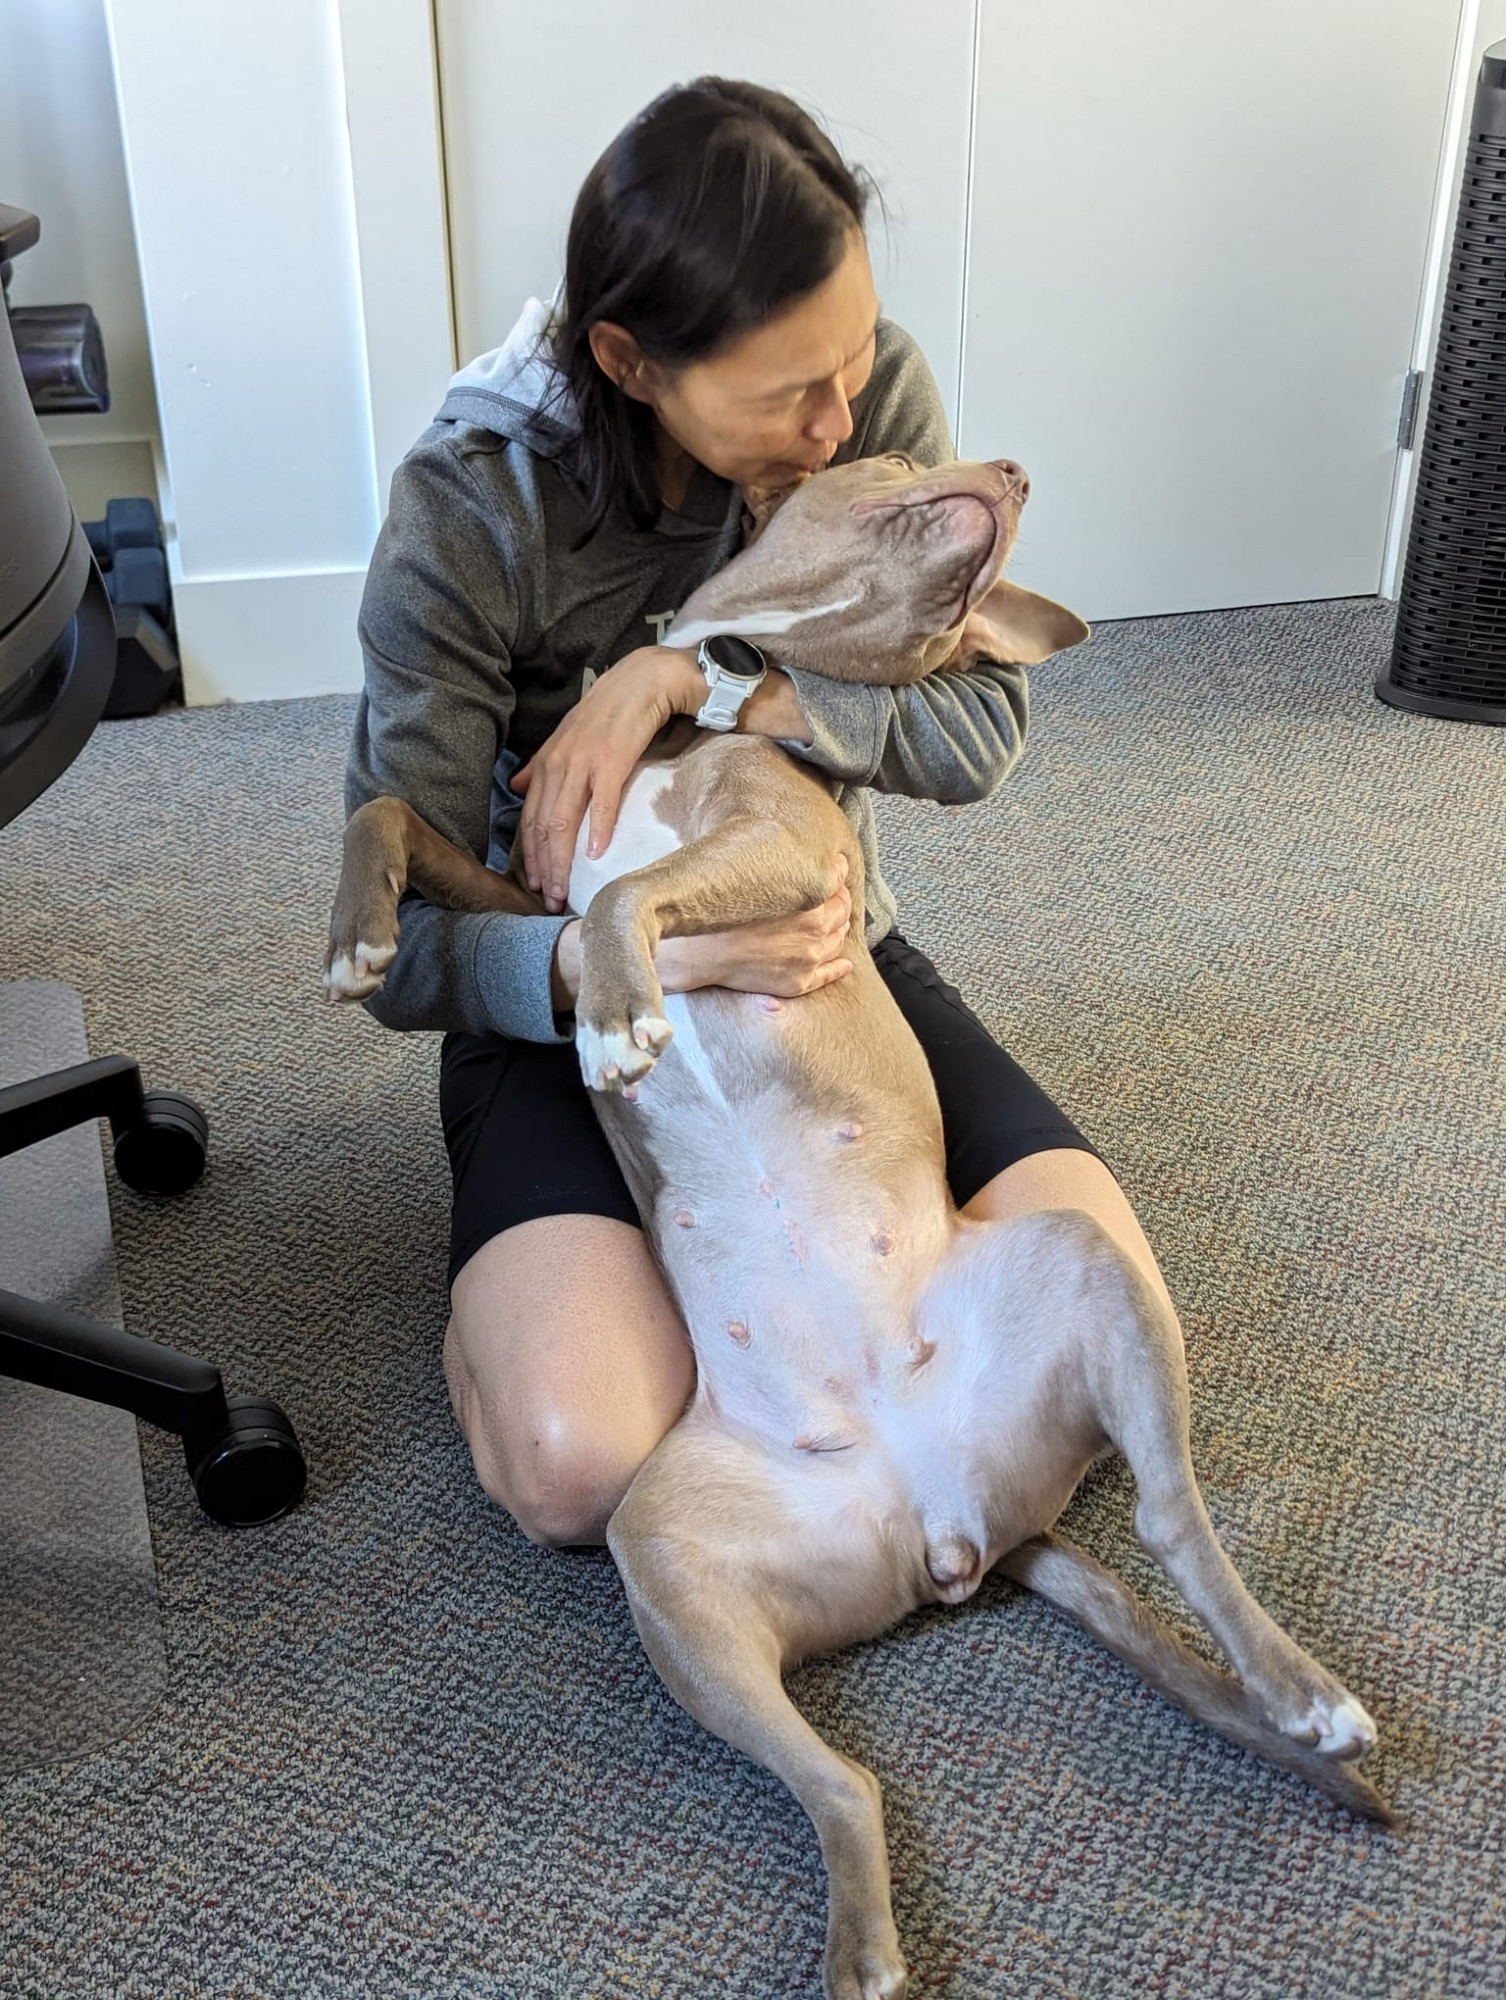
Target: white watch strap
{"x": 724, "y": 703}
{"x": 726, "y": 694}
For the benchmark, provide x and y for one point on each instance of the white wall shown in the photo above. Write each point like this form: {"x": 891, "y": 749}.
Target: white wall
{"x": 1197, "y": 242}
{"x": 239, "y": 164}
{"x": 60, "y": 156}
{"x": 287, "y": 396}
{"x": 897, "y": 103}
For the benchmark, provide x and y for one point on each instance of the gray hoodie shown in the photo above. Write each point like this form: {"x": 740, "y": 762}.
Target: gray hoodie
{"x": 480, "y": 629}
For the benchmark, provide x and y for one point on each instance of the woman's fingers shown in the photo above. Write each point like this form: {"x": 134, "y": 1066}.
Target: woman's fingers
{"x": 558, "y": 802}
{"x": 560, "y": 823}
{"x": 828, "y": 974}
{"x": 606, "y": 797}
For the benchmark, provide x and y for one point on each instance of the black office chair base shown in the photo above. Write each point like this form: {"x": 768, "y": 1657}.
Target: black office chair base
{"x": 163, "y": 1148}
{"x": 243, "y": 1455}
{"x": 253, "y": 1472}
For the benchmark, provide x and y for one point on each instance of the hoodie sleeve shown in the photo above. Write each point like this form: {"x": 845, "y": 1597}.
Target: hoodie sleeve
{"x": 438, "y": 619}
{"x": 955, "y": 735}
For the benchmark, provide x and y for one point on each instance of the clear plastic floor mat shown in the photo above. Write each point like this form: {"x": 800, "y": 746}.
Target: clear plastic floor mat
{"x": 82, "y": 1659}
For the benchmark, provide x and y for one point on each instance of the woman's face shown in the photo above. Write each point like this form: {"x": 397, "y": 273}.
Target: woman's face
{"x": 774, "y": 406}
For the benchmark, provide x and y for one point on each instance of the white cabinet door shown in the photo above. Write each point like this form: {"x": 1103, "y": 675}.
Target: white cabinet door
{"x": 1196, "y": 250}
{"x": 534, "y": 93}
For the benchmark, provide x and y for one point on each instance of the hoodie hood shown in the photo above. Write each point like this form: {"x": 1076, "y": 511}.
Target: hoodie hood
{"x": 516, "y": 390}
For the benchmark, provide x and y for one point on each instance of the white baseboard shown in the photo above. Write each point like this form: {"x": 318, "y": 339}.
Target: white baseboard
{"x": 264, "y": 638}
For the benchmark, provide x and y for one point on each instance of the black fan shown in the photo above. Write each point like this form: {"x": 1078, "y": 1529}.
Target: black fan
{"x": 1449, "y": 655}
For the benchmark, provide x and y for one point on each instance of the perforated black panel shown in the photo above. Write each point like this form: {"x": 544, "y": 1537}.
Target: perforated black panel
{"x": 1449, "y": 656}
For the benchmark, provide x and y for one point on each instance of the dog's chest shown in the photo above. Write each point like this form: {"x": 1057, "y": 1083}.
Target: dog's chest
{"x": 641, "y": 835}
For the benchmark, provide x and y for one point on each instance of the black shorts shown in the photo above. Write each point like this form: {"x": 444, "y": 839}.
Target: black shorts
{"x": 524, "y": 1142}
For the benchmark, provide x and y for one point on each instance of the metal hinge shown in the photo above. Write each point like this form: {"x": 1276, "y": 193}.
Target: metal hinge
{"x": 1411, "y": 395}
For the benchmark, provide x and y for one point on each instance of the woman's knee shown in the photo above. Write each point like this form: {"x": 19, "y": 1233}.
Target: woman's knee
{"x": 566, "y": 1363}
{"x": 555, "y": 1470}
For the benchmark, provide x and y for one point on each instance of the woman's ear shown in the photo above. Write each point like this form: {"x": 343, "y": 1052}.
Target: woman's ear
{"x": 1017, "y": 628}
{"x": 621, "y": 359}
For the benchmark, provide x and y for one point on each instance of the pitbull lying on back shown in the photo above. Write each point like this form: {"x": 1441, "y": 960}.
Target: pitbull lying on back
{"x": 891, "y": 1398}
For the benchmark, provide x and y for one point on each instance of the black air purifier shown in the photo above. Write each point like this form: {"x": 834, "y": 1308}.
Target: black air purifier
{"x": 1449, "y": 656}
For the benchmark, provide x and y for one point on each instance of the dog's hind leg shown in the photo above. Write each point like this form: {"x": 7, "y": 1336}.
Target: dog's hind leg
{"x": 728, "y": 1586}
{"x": 1066, "y": 1576}
{"x": 1137, "y": 1375}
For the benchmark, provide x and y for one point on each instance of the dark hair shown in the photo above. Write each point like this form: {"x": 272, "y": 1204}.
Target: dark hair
{"x": 717, "y": 206}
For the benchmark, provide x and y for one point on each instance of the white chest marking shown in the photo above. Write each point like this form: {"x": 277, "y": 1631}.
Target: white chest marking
{"x": 638, "y": 838}
{"x": 692, "y": 1050}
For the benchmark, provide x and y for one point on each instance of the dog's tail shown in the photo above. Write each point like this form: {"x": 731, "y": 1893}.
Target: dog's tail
{"x": 1066, "y": 1576}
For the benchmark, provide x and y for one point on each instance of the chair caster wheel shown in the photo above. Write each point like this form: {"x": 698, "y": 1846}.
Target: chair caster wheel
{"x": 254, "y": 1471}
{"x": 163, "y": 1150}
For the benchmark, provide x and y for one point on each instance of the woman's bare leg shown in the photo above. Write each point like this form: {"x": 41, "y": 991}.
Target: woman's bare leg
{"x": 567, "y": 1362}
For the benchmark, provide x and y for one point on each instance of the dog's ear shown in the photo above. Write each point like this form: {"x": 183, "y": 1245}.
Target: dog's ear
{"x": 1017, "y": 627}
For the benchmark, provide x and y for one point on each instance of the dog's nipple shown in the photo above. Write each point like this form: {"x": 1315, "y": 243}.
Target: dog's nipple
{"x": 882, "y": 1241}
{"x": 739, "y": 1331}
{"x": 685, "y": 1219}
{"x": 850, "y": 1131}
{"x": 771, "y": 1003}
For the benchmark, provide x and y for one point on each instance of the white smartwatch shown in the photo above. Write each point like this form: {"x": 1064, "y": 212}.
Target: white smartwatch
{"x": 733, "y": 669}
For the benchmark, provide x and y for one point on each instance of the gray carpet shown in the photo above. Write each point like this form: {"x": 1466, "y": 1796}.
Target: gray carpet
{"x": 1248, "y": 924}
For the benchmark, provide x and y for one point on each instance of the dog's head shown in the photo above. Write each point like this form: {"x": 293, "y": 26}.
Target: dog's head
{"x": 880, "y": 571}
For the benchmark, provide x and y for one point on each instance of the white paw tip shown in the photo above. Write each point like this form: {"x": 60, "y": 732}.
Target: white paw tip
{"x": 652, "y": 1031}
{"x": 346, "y": 980}
{"x": 374, "y": 957}
{"x": 610, "y": 1058}
{"x": 1349, "y": 1730}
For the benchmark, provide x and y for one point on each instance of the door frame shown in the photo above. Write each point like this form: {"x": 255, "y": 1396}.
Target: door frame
{"x": 397, "y": 170}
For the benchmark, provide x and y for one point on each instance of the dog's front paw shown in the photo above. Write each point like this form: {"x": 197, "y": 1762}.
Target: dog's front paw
{"x": 363, "y": 927}
{"x": 614, "y": 1058}
{"x": 354, "y": 971}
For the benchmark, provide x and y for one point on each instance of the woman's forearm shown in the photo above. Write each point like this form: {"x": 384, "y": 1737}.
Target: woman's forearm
{"x": 682, "y": 963}
{"x": 773, "y": 708}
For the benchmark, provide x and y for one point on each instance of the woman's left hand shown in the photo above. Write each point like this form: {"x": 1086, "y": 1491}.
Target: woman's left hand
{"x": 585, "y": 763}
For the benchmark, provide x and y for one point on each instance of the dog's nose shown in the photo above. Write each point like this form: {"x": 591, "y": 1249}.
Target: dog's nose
{"x": 1015, "y": 474}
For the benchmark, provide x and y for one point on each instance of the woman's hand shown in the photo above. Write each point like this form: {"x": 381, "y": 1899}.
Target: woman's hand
{"x": 585, "y": 763}
{"x": 786, "y": 956}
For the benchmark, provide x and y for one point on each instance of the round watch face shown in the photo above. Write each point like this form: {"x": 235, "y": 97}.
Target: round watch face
{"x": 734, "y": 656}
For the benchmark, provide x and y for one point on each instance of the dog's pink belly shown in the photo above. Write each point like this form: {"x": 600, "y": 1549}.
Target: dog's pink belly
{"x": 795, "y": 1264}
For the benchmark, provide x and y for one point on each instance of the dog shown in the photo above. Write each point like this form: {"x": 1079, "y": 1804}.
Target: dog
{"x": 892, "y": 1398}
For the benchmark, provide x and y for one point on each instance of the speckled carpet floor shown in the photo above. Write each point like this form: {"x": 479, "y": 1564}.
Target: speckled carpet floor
{"x": 1250, "y": 926}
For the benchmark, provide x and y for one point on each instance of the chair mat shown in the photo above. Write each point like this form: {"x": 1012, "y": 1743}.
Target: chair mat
{"x": 82, "y": 1659}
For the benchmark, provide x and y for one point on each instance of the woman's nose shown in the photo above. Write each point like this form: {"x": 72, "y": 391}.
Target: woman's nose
{"x": 832, "y": 422}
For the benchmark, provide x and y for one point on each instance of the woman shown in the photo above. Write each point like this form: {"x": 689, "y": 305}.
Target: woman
{"x": 719, "y": 331}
